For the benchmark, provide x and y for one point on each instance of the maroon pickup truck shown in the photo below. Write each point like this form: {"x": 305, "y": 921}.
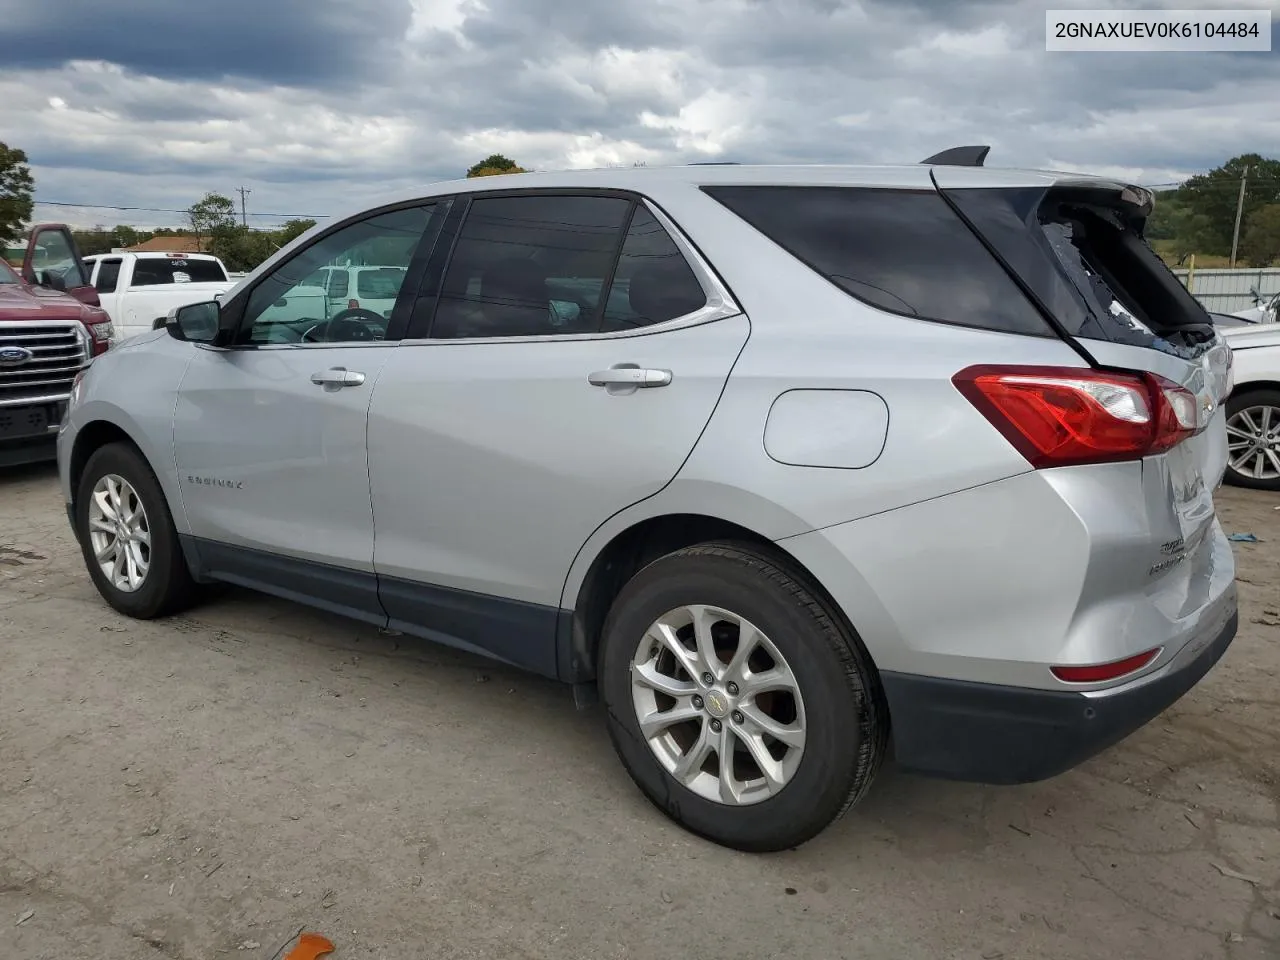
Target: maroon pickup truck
{"x": 50, "y": 329}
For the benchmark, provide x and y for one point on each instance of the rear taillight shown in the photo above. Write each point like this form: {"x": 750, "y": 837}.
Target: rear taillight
{"x": 1057, "y": 416}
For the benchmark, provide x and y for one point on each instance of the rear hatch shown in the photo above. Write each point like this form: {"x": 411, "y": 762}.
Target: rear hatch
{"x": 1077, "y": 249}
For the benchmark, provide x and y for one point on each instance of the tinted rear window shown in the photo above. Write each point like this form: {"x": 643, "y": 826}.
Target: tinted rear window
{"x": 899, "y": 250}
{"x": 154, "y": 270}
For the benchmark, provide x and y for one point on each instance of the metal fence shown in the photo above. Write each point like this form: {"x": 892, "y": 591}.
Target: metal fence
{"x": 1226, "y": 291}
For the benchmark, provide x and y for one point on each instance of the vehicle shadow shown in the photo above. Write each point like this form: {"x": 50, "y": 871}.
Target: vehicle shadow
{"x": 33, "y": 473}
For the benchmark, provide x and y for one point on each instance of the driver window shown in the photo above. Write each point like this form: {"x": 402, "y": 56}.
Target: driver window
{"x": 309, "y": 298}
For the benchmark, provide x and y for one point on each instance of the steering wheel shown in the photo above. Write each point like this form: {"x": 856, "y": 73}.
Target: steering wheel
{"x": 347, "y": 326}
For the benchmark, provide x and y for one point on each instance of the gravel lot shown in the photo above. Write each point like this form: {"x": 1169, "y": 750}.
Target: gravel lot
{"x": 208, "y": 785}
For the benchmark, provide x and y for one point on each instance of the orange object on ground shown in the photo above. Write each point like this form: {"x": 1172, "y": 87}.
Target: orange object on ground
{"x": 310, "y": 946}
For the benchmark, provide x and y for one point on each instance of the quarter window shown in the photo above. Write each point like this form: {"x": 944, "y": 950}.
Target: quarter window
{"x": 653, "y": 283}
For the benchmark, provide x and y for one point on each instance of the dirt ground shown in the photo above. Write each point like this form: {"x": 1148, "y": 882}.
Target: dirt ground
{"x": 207, "y": 786}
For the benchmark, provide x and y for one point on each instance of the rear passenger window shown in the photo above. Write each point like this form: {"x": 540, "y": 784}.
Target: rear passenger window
{"x": 903, "y": 251}
{"x": 531, "y": 265}
{"x": 653, "y": 283}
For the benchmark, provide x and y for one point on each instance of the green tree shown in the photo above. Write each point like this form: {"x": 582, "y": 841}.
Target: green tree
{"x": 16, "y": 188}
{"x": 126, "y": 236}
{"x": 290, "y": 230}
{"x": 242, "y": 249}
{"x": 97, "y": 240}
{"x": 211, "y": 218}
{"x": 494, "y": 165}
{"x": 1260, "y": 244}
{"x": 1214, "y": 195}
{"x": 1175, "y": 228}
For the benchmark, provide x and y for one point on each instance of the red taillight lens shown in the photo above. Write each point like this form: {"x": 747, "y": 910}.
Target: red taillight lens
{"x": 1177, "y": 419}
{"x": 1097, "y": 673}
{"x": 1057, "y": 416}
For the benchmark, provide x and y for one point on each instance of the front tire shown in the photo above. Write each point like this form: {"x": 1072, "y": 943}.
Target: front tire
{"x": 723, "y": 649}
{"x": 1253, "y": 440}
{"x": 127, "y": 536}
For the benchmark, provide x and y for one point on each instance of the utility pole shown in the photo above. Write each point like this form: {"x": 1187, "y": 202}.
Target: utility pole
{"x": 1235, "y": 236}
{"x": 244, "y": 217}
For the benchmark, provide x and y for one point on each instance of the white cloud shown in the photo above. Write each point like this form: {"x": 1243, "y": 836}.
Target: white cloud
{"x": 428, "y": 87}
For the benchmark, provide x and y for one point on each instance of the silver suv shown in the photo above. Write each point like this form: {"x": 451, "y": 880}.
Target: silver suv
{"x": 790, "y": 464}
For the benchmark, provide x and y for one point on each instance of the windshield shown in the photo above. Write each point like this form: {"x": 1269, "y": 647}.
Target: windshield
{"x": 154, "y": 270}
{"x": 7, "y": 274}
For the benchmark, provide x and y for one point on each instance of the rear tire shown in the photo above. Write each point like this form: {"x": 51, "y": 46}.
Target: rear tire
{"x": 127, "y": 536}
{"x": 1253, "y": 427}
{"x": 818, "y": 691}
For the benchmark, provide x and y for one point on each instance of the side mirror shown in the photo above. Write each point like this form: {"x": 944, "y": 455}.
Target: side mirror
{"x": 194, "y": 323}
{"x": 54, "y": 280}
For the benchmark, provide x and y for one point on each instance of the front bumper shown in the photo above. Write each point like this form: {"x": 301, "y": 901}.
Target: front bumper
{"x": 988, "y": 733}
{"x": 29, "y": 430}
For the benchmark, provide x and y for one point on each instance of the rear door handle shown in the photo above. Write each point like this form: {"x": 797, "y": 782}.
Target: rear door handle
{"x": 629, "y": 377}
{"x": 337, "y": 377}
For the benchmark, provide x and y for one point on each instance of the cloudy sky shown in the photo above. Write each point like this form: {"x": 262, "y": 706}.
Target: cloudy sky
{"x": 318, "y": 105}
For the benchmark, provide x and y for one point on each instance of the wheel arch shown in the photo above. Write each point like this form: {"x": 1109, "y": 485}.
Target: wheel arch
{"x": 99, "y": 424}
{"x": 628, "y": 550}
{"x": 1253, "y": 386}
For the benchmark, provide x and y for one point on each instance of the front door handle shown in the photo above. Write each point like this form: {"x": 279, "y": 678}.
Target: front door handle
{"x": 336, "y": 377}
{"x": 626, "y": 376}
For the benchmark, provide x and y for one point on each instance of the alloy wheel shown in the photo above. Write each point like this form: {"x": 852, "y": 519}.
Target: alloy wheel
{"x": 119, "y": 533}
{"x": 718, "y": 704}
{"x": 1253, "y": 442}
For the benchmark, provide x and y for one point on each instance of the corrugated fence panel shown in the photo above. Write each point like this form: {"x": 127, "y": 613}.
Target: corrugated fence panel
{"x": 1226, "y": 291}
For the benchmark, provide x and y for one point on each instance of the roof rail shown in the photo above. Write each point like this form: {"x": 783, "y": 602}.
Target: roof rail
{"x": 960, "y": 157}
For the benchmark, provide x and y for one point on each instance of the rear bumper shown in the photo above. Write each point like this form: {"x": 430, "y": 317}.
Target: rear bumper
{"x": 959, "y": 730}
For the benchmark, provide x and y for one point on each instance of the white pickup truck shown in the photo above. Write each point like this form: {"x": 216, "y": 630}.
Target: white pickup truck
{"x": 136, "y": 289}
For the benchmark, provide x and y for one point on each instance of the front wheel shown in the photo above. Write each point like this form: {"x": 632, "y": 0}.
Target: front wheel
{"x": 127, "y": 536}
{"x": 1253, "y": 440}
{"x": 737, "y": 702}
